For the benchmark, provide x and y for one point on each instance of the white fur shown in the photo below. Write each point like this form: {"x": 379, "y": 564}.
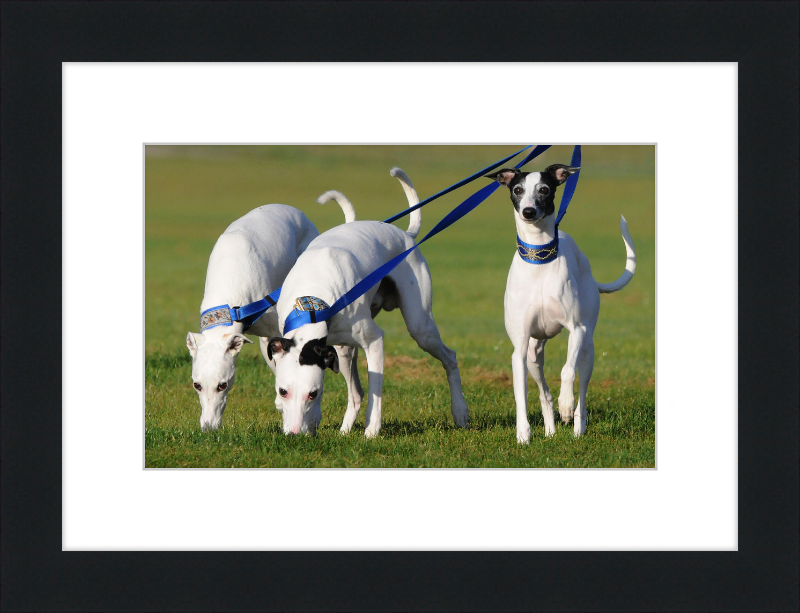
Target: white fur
{"x": 333, "y": 263}
{"x": 349, "y": 211}
{"x": 250, "y": 260}
{"x": 415, "y": 217}
{"x": 540, "y": 301}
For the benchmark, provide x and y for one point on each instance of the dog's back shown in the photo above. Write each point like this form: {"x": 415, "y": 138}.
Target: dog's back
{"x": 341, "y": 257}
{"x": 255, "y": 253}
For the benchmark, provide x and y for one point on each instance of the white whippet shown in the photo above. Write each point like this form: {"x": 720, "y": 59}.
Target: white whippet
{"x": 543, "y": 298}
{"x": 333, "y": 263}
{"x": 249, "y": 260}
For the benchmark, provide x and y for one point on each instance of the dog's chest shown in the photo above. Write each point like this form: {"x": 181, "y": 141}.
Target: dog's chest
{"x": 537, "y": 297}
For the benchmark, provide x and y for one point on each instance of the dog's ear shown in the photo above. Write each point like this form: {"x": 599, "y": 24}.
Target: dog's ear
{"x": 278, "y": 347}
{"x": 504, "y": 176}
{"x": 233, "y": 343}
{"x": 329, "y": 356}
{"x": 194, "y": 342}
{"x": 560, "y": 172}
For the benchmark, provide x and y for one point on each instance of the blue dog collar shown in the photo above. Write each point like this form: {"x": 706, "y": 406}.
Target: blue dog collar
{"x": 538, "y": 254}
{"x": 216, "y": 316}
{"x": 224, "y": 315}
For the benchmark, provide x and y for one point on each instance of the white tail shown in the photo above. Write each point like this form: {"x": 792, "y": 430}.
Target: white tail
{"x": 630, "y": 263}
{"x": 347, "y": 208}
{"x": 415, "y": 218}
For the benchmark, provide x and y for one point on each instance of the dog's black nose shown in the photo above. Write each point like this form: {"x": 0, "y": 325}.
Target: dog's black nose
{"x": 529, "y": 212}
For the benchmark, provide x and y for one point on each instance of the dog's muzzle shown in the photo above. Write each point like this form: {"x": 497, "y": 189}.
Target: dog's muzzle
{"x": 529, "y": 212}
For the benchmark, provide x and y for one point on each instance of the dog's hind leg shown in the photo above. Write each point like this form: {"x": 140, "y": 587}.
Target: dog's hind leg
{"x": 413, "y": 285}
{"x": 348, "y": 365}
{"x": 536, "y": 368}
{"x": 430, "y": 341}
{"x": 585, "y": 367}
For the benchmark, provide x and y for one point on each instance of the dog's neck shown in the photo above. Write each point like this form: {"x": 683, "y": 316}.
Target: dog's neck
{"x": 537, "y": 233}
{"x": 308, "y": 332}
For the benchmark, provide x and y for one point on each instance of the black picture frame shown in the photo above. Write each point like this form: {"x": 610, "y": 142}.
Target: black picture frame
{"x": 761, "y": 36}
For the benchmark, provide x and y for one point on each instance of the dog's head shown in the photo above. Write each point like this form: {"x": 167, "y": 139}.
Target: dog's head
{"x": 300, "y": 364}
{"x": 533, "y": 193}
{"x": 214, "y": 371}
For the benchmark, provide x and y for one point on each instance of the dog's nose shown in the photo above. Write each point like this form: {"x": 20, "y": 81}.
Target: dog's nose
{"x": 529, "y": 212}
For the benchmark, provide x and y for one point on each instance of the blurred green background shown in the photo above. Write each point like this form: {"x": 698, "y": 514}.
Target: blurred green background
{"x": 192, "y": 193}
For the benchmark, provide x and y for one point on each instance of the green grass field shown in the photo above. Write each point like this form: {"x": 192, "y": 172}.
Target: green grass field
{"x": 192, "y": 193}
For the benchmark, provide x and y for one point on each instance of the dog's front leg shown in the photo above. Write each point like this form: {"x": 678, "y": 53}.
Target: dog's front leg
{"x": 566, "y": 398}
{"x": 348, "y": 365}
{"x": 371, "y": 341}
{"x": 536, "y": 368}
{"x": 520, "y": 376}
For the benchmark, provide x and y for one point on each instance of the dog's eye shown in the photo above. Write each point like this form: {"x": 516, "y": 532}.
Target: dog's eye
{"x": 518, "y": 190}
{"x": 282, "y": 392}
{"x": 222, "y": 386}
{"x": 544, "y": 190}
{"x": 312, "y": 395}
{"x": 198, "y": 387}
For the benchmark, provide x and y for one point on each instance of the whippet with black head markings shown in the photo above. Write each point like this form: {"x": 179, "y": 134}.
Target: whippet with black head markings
{"x": 543, "y": 298}
{"x": 250, "y": 260}
{"x": 333, "y": 263}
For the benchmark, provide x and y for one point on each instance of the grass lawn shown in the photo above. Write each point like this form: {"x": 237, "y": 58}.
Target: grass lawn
{"x": 193, "y": 193}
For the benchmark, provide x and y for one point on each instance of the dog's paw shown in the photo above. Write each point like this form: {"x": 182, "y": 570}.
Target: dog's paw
{"x": 371, "y": 432}
{"x": 524, "y": 435}
{"x": 461, "y": 418}
{"x": 549, "y": 431}
{"x": 580, "y": 426}
{"x": 566, "y": 406}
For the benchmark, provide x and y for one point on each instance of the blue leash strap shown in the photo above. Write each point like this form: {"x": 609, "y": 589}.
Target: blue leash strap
{"x": 224, "y": 315}
{"x": 250, "y": 313}
{"x": 569, "y": 187}
{"x": 469, "y": 179}
{"x": 538, "y": 150}
{"x": 296, "y": 318}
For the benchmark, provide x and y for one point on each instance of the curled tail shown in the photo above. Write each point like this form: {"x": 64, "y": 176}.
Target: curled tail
{"x": 347, "y": 208}
{"x": 415, "y": 218}
{"x": 630, "y": 263}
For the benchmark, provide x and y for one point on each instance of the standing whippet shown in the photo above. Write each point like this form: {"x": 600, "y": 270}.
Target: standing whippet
{"x": 550, "y": 287}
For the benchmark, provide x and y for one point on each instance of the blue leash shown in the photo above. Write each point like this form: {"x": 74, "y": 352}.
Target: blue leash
{"x": 225, "y": 315}
{"x": 540, "y": 149}
{"x": 296, "y": 318}
{"x": 543, "y": 254}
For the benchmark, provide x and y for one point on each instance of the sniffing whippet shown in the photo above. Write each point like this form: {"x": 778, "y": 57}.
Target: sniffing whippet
{"x": 333, "y": 263}
{"x": 550, "y": 287}
{"x": 250, "y": 260}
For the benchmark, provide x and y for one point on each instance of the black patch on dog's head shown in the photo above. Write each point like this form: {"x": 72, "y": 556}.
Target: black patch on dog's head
{"x": 516, "y": 199}
{"x": 317, "y": 352}
{"x": 278, "y": 345}
{"x": 544, "y": 192}
{"x": 502, "y": 177}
